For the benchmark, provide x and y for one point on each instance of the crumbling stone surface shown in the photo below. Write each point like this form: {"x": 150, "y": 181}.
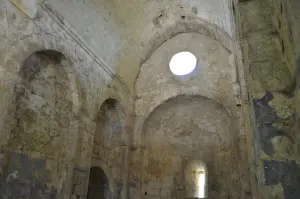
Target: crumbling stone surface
{"x": 48, "y": 104}
{"x": 79, "y": 183}
{"x": 173, "y": 122}
{"x": 285, "y": 173}
{"x": 25, "y": 178}
{"x": 269, "y": 35}
{"x": 186, "y": 128}
{"x": 109, "y": 147}
{"x": 54, "y": 89}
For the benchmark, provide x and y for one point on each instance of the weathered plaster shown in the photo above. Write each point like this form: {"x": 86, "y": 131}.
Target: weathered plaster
{"x": 214, "y": 78}
{"x": 269, "y": 32}
{"x": 148, "y": 24}
{"x": 46, "y": 86}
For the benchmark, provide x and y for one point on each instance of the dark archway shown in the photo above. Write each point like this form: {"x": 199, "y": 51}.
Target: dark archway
{"x": 98, "y": 184}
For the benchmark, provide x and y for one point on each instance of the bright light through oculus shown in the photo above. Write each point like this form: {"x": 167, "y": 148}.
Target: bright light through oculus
{"x": 183, "y": 63}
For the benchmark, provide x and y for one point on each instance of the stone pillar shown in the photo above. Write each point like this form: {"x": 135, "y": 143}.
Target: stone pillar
{"x": 82, "y": 158}
{"x": 129, "y": 141}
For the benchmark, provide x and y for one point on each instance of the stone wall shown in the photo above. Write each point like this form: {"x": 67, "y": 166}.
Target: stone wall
{"x": 122, "y": 33}
{"x": 183, "y": 129}
{"x": 110, "y": 144}
{"x": 161, "y": 145}
{"x": 49, "y": 100}
{"x": 269, "y": 35}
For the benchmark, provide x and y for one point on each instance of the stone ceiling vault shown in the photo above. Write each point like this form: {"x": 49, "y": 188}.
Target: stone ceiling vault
{"x": 125, "y": 33}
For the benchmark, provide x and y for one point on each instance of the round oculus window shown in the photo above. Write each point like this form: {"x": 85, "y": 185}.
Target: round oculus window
{"x": 183, "y": 63}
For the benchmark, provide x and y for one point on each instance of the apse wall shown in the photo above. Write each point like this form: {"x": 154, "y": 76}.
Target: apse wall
{"x": 181, "y": 129}
{"x": 214, "y": 80}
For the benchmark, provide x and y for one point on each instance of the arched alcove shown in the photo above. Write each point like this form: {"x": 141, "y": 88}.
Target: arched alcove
{"x": 182, "y": 128}
{"x": 110, "y": 123}
{"x": 43, "y": 115}
{"x": 98, "y": 184}
{"x": 110, "y": 143}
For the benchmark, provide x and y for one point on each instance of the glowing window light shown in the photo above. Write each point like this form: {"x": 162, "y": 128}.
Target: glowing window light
{"x": 201, "y": 184}
{"x": 183, "y": 63}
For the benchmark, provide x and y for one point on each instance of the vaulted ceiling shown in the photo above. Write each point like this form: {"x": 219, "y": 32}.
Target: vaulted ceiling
{"x": 126, "y": 33}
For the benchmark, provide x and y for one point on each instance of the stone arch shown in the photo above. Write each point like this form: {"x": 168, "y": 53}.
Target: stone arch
{"x": 111, "y": 114}
{"x": 110, "y": 144}
{"x": 186, "y": 91}
{"x": 196, "y": 25}
{"x": 34, "y": 43}
{"x": 122, "y": 107}
{"x": 161, "y": 85}
{"x": 185, "y": 100}
{"x": 43, "y": 116}
{"x": 13, "y": 59}
{"x": 179, "y": 129}
{"x": 98, "y": 184}
{"x": 44, "y": 81}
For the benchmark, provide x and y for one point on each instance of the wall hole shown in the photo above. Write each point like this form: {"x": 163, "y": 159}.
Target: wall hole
{"x": 183, "y": 17}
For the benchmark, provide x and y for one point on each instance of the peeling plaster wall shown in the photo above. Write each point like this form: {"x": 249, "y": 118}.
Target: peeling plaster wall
{"x": 269, "y": 35}
{"x": 214, "y": 78}
{"x": 48, "y": 104}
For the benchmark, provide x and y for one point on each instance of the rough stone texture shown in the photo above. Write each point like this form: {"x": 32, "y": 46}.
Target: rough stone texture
{"x": 26, "y": 178}
{"x": 86, "y": 84}
{"x": 166, "y": 137}
{"x": 269, "y": 35}
{"x": 286, "y": 173}
{"x": 49, "y": 99}
{"x": 110, "y": 143}
{"x": 186, "y": 128}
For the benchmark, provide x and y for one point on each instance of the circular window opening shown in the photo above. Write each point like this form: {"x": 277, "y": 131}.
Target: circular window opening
{"x": 183, "y": 63}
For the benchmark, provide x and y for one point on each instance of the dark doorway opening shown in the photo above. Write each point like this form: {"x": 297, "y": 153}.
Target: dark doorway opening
{"x": 98, "y": 184}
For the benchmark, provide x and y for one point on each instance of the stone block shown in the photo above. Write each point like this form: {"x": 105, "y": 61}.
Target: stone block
{"x": 80, "y": 190}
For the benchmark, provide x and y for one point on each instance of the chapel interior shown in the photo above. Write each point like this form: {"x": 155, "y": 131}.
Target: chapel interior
{"x": 149, "y": 99}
